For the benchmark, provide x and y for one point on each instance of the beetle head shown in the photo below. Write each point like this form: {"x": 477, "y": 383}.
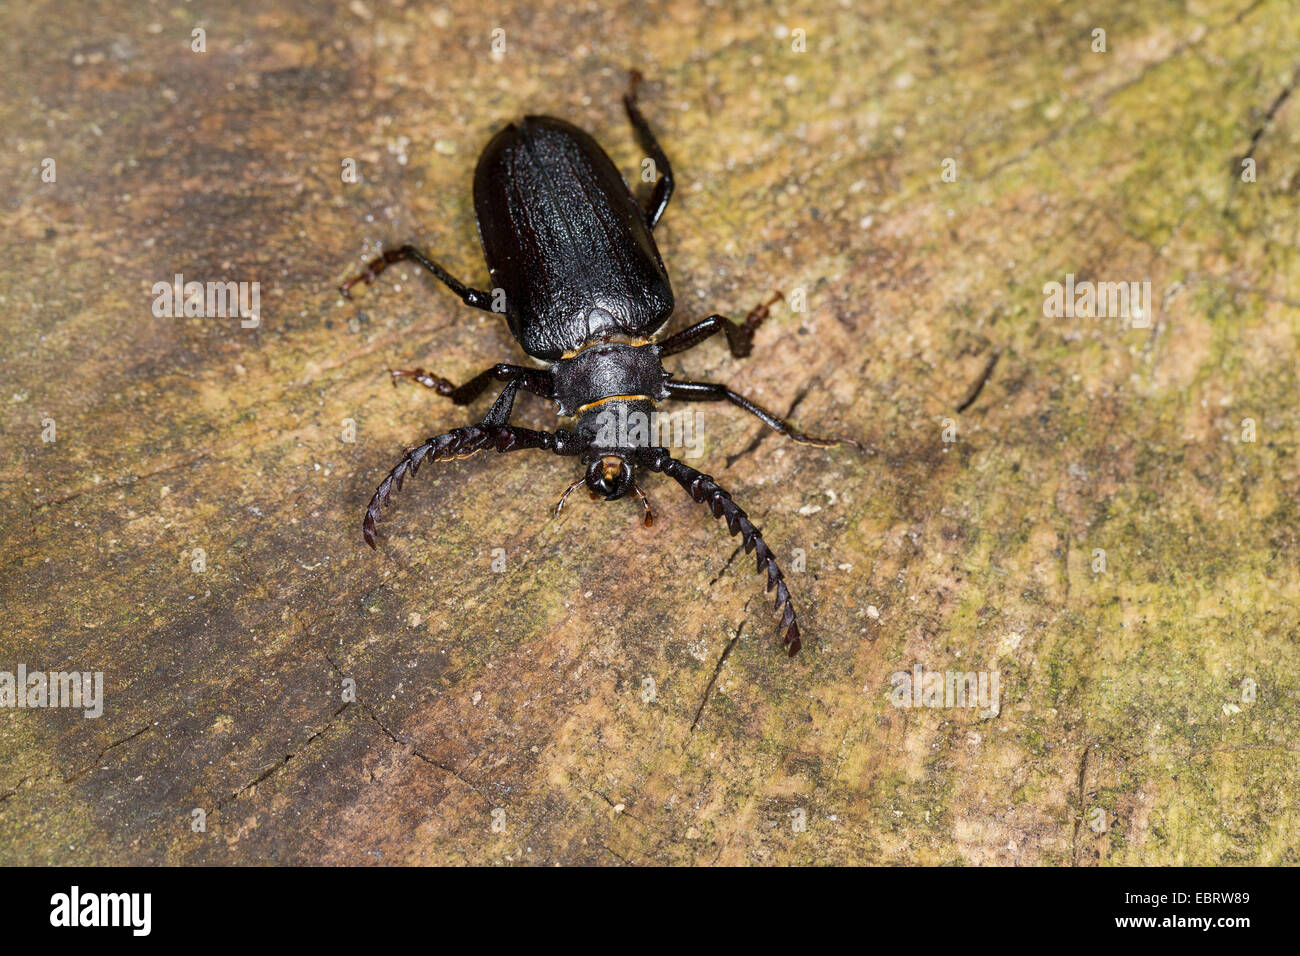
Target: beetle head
{"x": 610, "y": 476}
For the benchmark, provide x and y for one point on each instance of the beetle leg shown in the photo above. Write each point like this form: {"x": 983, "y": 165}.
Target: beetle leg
{"x": 705, "y": 490}
{"x": 461, "y": 443}
{"x": 663, "y": 190}
{"x": 473, "y": 297}
{"x": 535, "y": 380}
{"x": 499, "y": 414}
{"x": 709, "y": 392}
{"x": 740, "y": 335}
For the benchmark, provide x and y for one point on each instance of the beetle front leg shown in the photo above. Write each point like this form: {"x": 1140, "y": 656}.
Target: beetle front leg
{"x": 710, "y": 392}
{"x": 740, "y": 335}
{"x": 535, "y": 380}
{"x": 462, "y": 443}
{"x": 472, "y": 297}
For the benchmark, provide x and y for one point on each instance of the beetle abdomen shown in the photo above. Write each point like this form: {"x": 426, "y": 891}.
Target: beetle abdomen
{"x": 566, "y": 240}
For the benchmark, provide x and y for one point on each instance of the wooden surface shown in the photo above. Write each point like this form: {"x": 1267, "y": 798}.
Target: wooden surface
{"x": 505, "y": 717}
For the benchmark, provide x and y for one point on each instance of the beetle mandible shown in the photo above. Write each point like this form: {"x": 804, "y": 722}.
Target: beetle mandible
{"x": 585, "y": 292}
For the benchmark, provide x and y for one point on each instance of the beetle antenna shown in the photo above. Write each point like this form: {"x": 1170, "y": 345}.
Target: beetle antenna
{"x": 705, "y": 490}
{"x": 461, "y": 443}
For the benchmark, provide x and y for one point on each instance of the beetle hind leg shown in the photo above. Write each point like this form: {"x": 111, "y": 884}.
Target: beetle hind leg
{"x": 663, "y": 190}
{"x": 408, "y": 253}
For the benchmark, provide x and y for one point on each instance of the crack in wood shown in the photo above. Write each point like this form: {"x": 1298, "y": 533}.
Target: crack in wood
{"x": 726, "y": 651}
{"x": 407, "y": 744}
{"x": 1265, "y": 122}
{"x": 765, "y": 431}
{"x": 283, "y": 762}
{"x": 124, "y": 481}
{"x": 1078, "y": 819}
{"x": 974, "y": 391}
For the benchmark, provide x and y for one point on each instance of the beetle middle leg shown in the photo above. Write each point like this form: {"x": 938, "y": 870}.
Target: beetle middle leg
{"x": 663, "y": 190}
{"x": 740, "y": 335}
{"x": 472, "y": 297}
{"x": 535, "y": 380}
{"x": 711, "y": 392}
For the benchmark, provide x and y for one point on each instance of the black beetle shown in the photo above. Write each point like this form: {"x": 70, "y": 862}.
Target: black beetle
{"x": 573, "y": 256}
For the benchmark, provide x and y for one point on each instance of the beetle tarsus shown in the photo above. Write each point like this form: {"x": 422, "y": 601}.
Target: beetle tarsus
{"x": 756, "y": 317}
{"x": 421, "y": 377}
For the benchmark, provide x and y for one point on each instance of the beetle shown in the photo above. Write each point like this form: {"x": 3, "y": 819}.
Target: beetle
{"x": 585, "y": 293}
